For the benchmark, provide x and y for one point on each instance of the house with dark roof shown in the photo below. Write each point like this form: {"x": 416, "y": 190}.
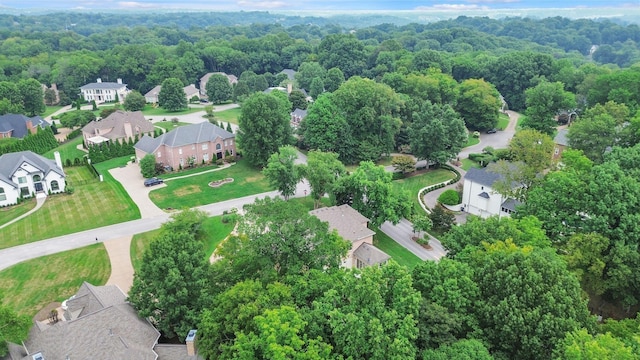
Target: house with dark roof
{"x": 562, "y": 142}
{"x": 118, "y": 126}
{"x": 152, "y": 95}
{"x": 297, "y": 116}
{"x": 187, "y": 145}
{"x": 24, "y": 173}
{"x": 19, "y": 126}
{"x": 479, "y": 197}
{"x": 291, "y": 74}
{"x": 352, "y": 226}
{"x": 100, "y": 91}
{"x": 98, "y": 323}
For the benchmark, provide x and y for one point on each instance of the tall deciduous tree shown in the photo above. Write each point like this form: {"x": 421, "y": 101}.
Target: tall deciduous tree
{"x": 580, "y": 345}
{"x": 479, "y": 104}
{"x": 219, "y": 89}
{"x": 148, "y": 166}
{"x": 322, "y": 171}
{"x": 264, "y": 127}
{"x": 543, "y": 102}
{"x": 307, "y": 72}
{"x": 13, "y": 327}
{"x": 333, "y": 80}
{"x": 324, "y": 127}
{"x": 32, "y": 95}
{"x": 437, "y": 133}
{"x": 173, "y": 283}
{"x": 298, "y": 100}
{"x": 134, "y": 101}
{"x": 282, "y": 171}
{"x": 172, "y": 96}
{"x": 368, "y": 190}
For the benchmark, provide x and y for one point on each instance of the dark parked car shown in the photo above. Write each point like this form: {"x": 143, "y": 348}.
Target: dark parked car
{"x": 492, "y": 131}
{"x": 153, "y": 181}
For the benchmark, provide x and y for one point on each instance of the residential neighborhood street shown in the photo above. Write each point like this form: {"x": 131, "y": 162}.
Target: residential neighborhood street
{"x": 402, "y": 234}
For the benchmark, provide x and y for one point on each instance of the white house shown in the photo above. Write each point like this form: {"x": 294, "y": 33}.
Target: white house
{"x": 104, "y": 91}
{"x": 26, "y": 173}
{"x": 479, "y": 198}
{"x": 152, "y": 95}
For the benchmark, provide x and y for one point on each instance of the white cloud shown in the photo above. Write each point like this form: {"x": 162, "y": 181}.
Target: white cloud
{"x": 452, "y": 7}
{"x": 264, "y": 4}
{"x": 135, "y": 5}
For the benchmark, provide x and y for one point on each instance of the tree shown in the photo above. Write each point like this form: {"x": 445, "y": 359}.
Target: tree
{"x": 30, "y": 91}
{"x": 586, "y": 257}
{"x": 172, "y": 96}
{"x": 324, "y": 127}
{"x": 298, "y": 100}
{"x": 478, "y": 104}
{"x": 218, "y": 89}
{"x": 148, "y": 166}
{"x": 442, "y": 219}
{"x": 404, "y": 163}
{"x": 580, "y": 345}
{"x": 368, "y": 190}
{"x": 343, "y": 51}
{"x": 543, "y": 102}
{"x": 437, "y": 133}
{"x": 75, "y": 118}
{"x": 333, "y": 80}
{"x": 282, "y": 172}
{"x": 466, "y": 349}
{"x": 317, "y": 87}
{"x": 528, "y": 300}
{"x": 322, "y": 171}
{"x": 50, "y": 97}
{"x": 594, "y": 136}
{"x": 533, "y": 148}
{"x": 172, "y": 285}
{"x": 264, "y": 127}
{"x": 134, "y": 101}
{"x": 13, "y": 327}
{"x": 307, "y": 72}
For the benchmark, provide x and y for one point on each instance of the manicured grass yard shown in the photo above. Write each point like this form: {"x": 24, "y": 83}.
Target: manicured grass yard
{"x": 214, "y": 229}
{"x": 503, "y": 121}
{"x": 151, "y": 111}
{"x": 31, "y": 285}
{"x": 11, "y": 212}
{"x": 68, "y": 150}
{"x": 195, "y": 170}
{"x": 468, "y": 164}
{"x": 413, "y": 184}
{"x": 50, "y": 110}
{"x": 169, "y": 125}
{"x": 230, "y": 115}
{"x": 93, "y": 204}
{"x": 397, "y": 252}
{"x": 195, "y": 190}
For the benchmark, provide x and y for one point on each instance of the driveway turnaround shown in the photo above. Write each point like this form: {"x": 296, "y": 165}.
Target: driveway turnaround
{"x": 402, "y": 233}
{"x": 133, "y": 182}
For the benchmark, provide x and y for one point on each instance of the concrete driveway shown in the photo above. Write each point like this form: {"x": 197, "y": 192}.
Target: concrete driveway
{"x": 402, "y": 233}
{"x": 133, "y": 182}
{"x": 498, "y": 140}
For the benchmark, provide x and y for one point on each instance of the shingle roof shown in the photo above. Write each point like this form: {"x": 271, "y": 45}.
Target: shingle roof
{"x": 289, "y": 72}
{"x": 482, "y": 176}
{"x": 103, "y": 86}
{"x": 174, "y": 352}
{"x": 561, "y": 137}
{"x": 10, "y": 162}
{"x": 511, "y": 204}
{"x": 370, "y": 254}
{"x": 189, "y": 90}
{"x": 116, "y": 122}
{"x": 299, "y": 113}
{"x": 153, "y": 92}
{"x": 232, "y": 78}
{"x": 349, "y": 223}
{"x": 18, "y": 123}
{"x": 184, "y": 135}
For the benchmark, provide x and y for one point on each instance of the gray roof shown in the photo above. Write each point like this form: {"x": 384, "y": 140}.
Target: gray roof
{"x": 153, "y": 92}
{"x": 106, "y": 328}
{"x": 103, "y": 86}
{"x": 482, "y": 176}
{"x": 370, "y": 254}
{"x": 511, "y": 204}
{"x": 18, "y": 123}
{"x": 115, "y": 124}
{"x": 189, "y": 90}
{"x": 184, "y": 135}
{"x": 10, "y": 162}
{"x": 349, "y": 223}
{"x": 232, "y": 78}
{"x": 174, "y": 352}
{"x": 561, "y": 137}
{"x": 299, "y": 113}
{"x": 289, "y": 72}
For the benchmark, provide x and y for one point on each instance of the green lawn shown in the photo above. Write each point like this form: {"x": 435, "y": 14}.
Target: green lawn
{"x": 472, "y": 141}
{"x": 67, "y": 150}
{"x": 195, "y": 170}
{"x": 230, "y": 115}
{"x": 50, "y": 110}
{"x": 503, "y": 121}
{"x": 468, "y": 164}
{"x": 169, "y": 125}
{"x": 195, "y": 190}
{"x": 214, "y": 232}
{"x": 31, "y": 285}
{"x": 415, "y": 183}
{"x": 151, "y": 111}
{"x": 93, "y": 204}
{"x": 11, "y": 212}
{"x": 397, "y": 252}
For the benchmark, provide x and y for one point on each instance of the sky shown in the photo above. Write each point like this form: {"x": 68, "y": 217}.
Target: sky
{"x": 307, "y": 5}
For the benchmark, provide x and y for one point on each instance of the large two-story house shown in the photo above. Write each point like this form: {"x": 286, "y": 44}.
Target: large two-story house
{"x": 479, "y": 197}
{"x": 190, "y": 144}
{"x": 101, "y": 92}
{"x": 118, "y": 126}
{"x": 19, "y": 126}
{"x": 25, "y": 173}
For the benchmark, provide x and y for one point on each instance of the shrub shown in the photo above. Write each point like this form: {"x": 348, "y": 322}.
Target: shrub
{"x": 476, "y": 134}
{"x": 219, "y": 161}
{"x": 69, "y": 189}
{"x": 449, "y": 197}
{"x": 230, "y": 158}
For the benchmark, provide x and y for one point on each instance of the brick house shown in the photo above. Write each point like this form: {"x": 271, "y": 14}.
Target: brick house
{"x": 352, "y": 226}
{"x": 18, "y": 125}
{"x": 186, "y": 145}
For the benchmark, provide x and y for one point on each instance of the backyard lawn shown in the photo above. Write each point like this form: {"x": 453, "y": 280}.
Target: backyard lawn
{"x": 413, "y": 184}
{"x": 397, "y": 252}
{"x": 67, "y": 150}
{"x": 214, "y": 232}
{"x": 31, "y": 285}
{"x": 468, "y": 164}
{"x": 93, "y": 204}
{"x": 503, "y": 121}
{"x": 158, "y": 111}
{"x": 230, "y": 115}
{"x": 169, "y": 125}
{"x": 195, "y": 190}
{"x": 472, "y": 140}
{"x": 50, "y": 110}
{"x": 11, "y": 212}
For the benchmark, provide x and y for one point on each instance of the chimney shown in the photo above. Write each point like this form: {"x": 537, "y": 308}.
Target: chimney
{"x": 29, "y": 124}
{"x": 119, "y": 81}
{"x": 56, "y": 155}
{"x": 191, "y": 343}
{"x": 289, "y": 88}
{"x": 99, "y": 80}
{"x": 128, "y": 130}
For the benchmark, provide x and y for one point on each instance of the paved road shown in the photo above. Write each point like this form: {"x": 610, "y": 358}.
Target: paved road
{"x": 498, "y": 140}
{"x": 402, "y": 234}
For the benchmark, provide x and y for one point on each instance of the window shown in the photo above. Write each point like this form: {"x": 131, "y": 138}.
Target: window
{"x": 193, "y": 147}
{"x": 360, "y": 264}
{"x": 159, "y": 154}
{"x": 36, "y": 178}
{"x": 557, "y": 151}
{"x": 218, "y": 147}
{"x": 55, "y": 186}
{"x": 225, "y": 143}
{"x": 205, "y": 146}
{"x": 3, "y": 196}
{"x": 180, "y": 151}
{"x": 205, "y": 157}
{"x": 22, "y": 180}
{"x": 24, "y": 191}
